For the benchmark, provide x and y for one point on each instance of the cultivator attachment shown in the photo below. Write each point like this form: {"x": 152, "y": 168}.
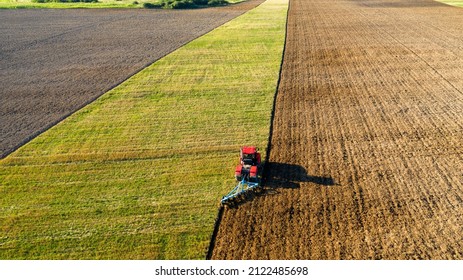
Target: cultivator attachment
{"x": 240, "y": 190}
{"x": 246, "y": 173}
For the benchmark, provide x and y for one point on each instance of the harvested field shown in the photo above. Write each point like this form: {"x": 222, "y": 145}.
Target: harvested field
{"x": 366, "y": 154}
{"x": 53, "y": 62}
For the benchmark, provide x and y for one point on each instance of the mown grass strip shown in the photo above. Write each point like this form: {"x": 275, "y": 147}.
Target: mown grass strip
{"x": 139, "y": 173}
{"x": 457, "y": 3}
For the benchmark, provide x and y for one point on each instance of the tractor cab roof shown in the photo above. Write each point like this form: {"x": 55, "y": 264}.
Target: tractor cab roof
{"x": 248, "y": 150}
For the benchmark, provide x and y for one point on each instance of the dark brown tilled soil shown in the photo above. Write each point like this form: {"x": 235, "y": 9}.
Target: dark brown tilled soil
{"x": 53, "y": 62}
{"x": 366, "y": 153}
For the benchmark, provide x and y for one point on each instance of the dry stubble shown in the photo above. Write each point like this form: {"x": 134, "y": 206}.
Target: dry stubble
{"x": 366, "y": 148}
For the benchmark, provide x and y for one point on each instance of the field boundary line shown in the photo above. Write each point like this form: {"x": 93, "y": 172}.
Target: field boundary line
{"x": 210, "y": 250}
{"x": 272, "y": 115}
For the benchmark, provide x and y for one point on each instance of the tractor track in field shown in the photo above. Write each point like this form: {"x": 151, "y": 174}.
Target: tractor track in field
{"x": 366, "y": 152}
{"x": 54, "y": 62}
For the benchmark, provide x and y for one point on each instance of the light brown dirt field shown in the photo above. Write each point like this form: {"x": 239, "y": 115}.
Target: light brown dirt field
{"x": 366, "y": 148}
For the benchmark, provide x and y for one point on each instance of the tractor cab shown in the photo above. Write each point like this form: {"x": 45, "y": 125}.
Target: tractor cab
{"x": 249, "y": 156}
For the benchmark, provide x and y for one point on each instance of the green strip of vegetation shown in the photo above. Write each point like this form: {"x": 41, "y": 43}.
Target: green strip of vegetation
{"x": 458, "y": 3}
{"x": 149, "y": 4}
{"x": 139, "y": 173}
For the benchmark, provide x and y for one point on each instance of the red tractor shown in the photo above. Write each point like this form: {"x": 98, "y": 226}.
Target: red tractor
{"x": 246, "y": 173}
{"x": 249, "y": 164}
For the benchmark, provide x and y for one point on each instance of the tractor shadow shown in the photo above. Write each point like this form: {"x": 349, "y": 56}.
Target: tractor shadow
{"x": 278, "y": 176}
{"x": 289, "y": 176}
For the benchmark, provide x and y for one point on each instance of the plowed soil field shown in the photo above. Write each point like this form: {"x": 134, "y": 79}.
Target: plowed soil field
{"x": 53, "y": 62}
{"x": 366, "y": 150}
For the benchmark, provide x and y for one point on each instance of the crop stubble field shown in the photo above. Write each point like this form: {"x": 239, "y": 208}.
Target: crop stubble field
{"x": 366, "y": 148}
{"x": 53, "y": 62}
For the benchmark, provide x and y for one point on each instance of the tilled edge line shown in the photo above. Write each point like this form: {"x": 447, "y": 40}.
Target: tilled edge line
{"x": 221, "y": 209}
{"x": 277, "y": 89}
{"x": 56, "y": 122}
{"x": 210, "y": 250}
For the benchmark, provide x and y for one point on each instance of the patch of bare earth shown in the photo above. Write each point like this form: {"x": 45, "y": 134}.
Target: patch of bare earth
{"x": 366, "y": 158}
{"x": 53, "y": 62}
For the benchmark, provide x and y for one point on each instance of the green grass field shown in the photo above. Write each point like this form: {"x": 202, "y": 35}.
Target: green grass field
{"x": 458, "y": 3}
{"x": 28, "y": 4}
{"x": 139, "y": 173}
